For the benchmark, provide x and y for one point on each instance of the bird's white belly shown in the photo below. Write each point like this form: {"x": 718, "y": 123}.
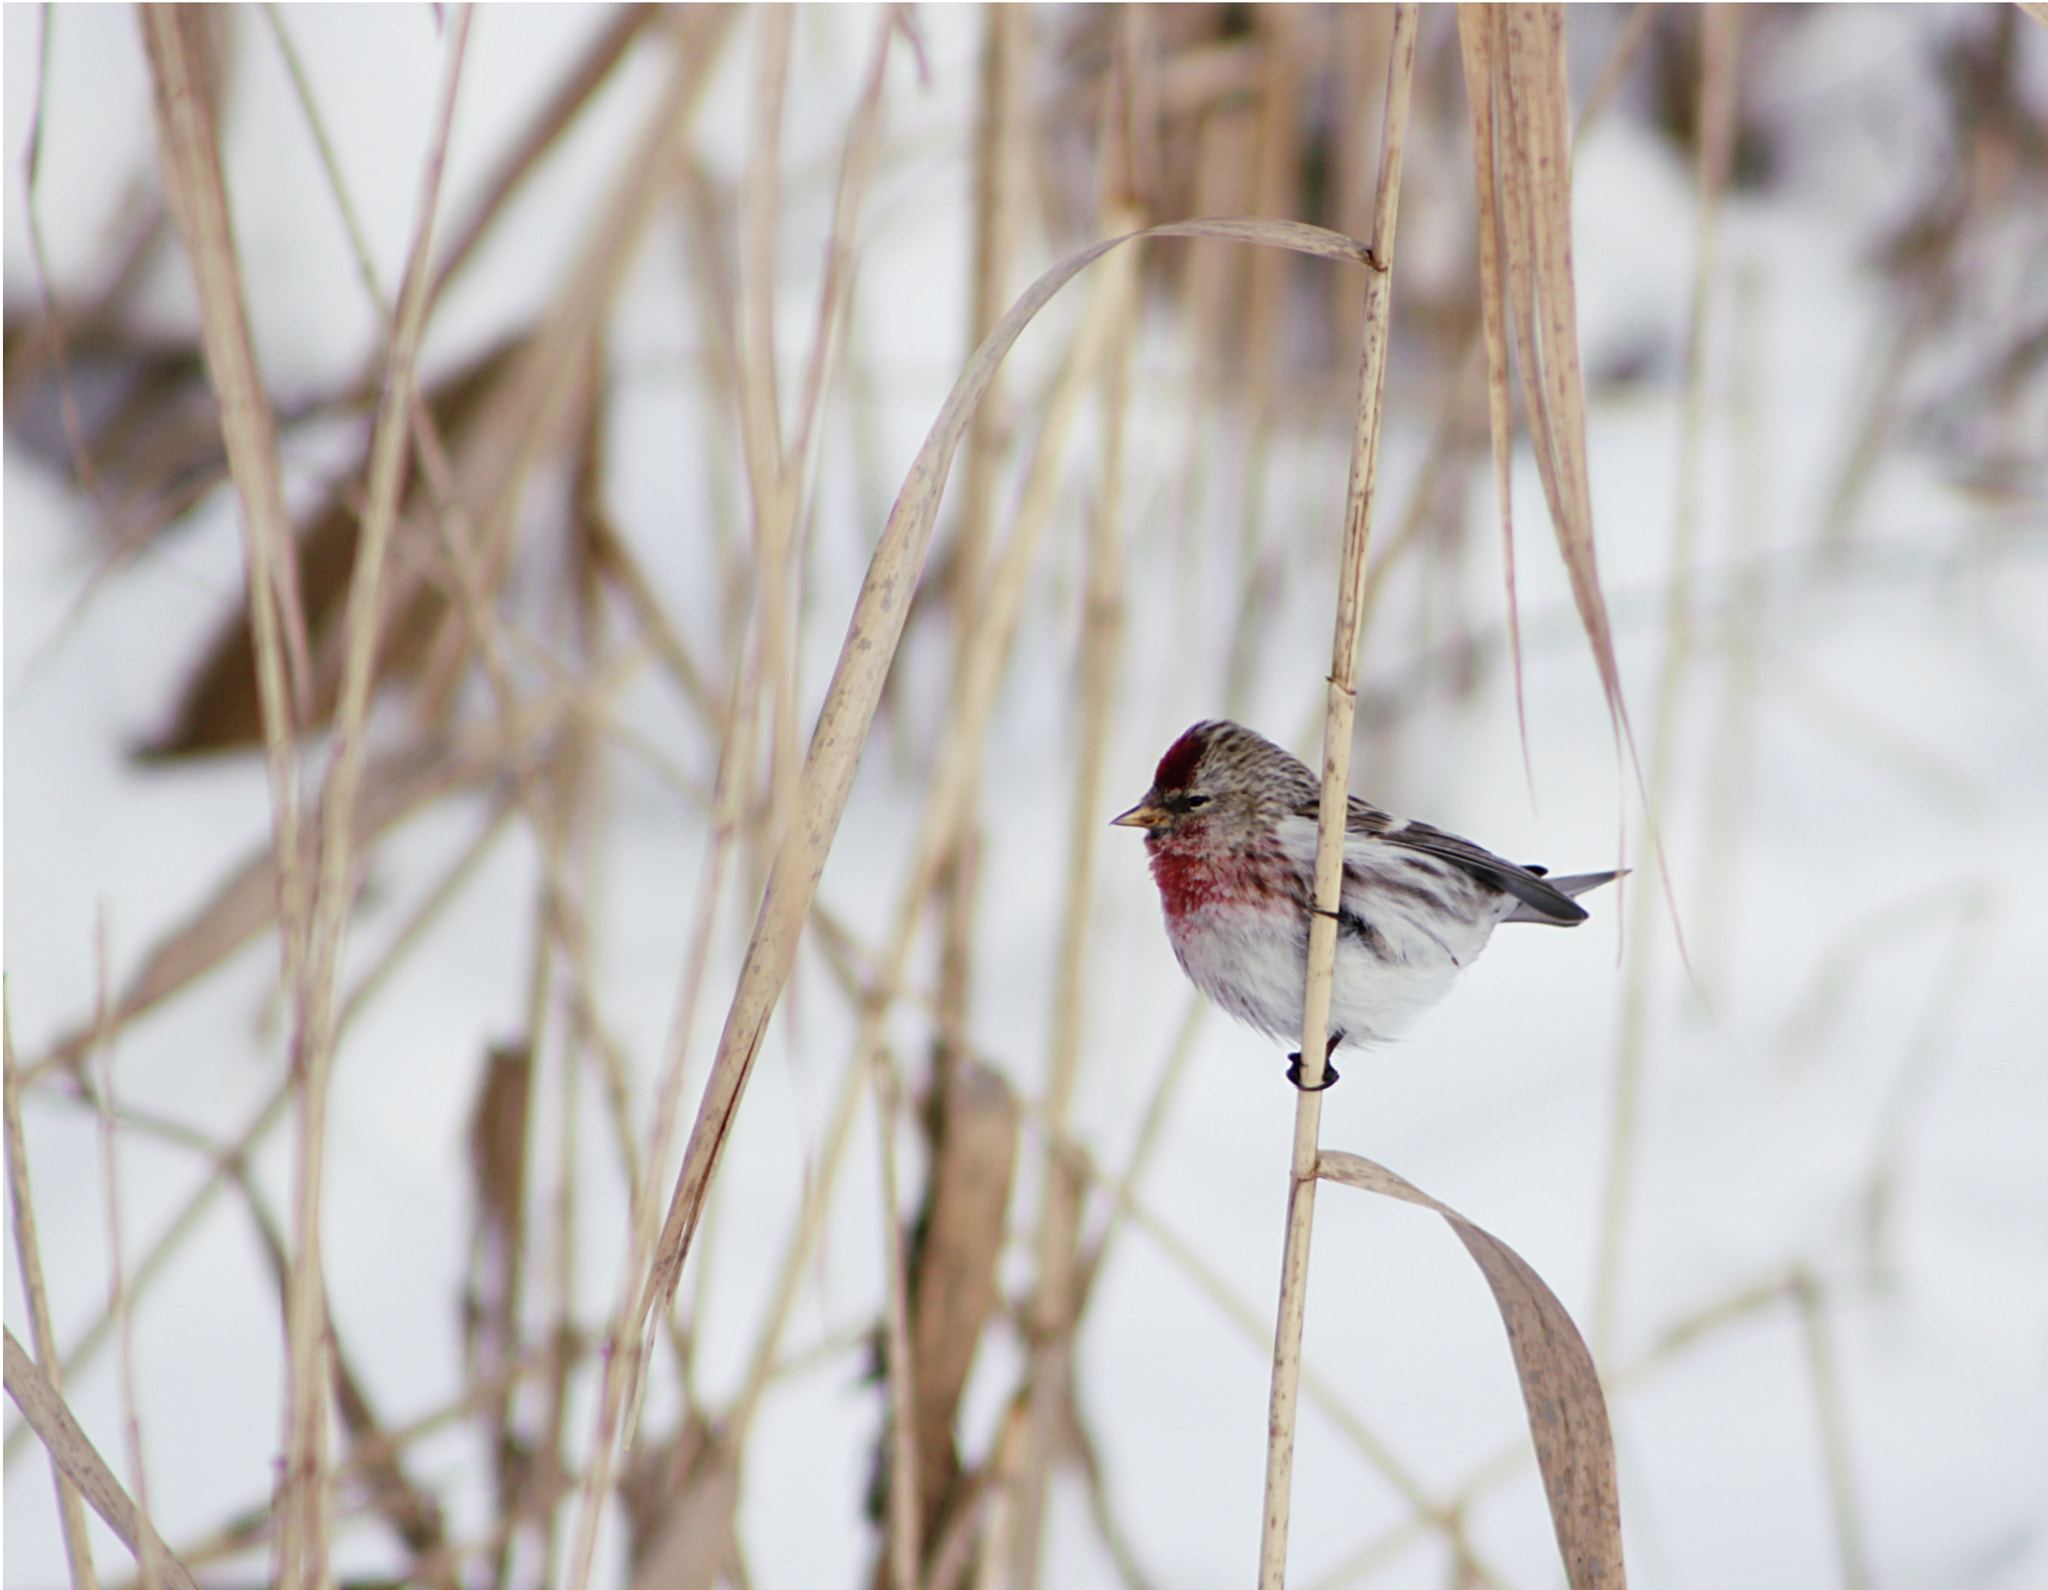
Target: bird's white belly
{"x": 1252, "y": 962}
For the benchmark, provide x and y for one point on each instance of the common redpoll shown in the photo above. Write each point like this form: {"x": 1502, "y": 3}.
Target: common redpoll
{"x": 1230, "y": 824}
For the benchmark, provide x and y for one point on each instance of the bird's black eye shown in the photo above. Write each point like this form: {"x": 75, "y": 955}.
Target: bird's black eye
{"x": 1190, "y": 802}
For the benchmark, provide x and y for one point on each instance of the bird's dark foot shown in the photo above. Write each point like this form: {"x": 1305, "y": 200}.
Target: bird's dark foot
{"x": 1329, "y": 1071}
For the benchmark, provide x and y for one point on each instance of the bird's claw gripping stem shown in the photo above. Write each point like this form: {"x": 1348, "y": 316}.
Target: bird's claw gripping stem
{"x": 1329, "y": 1071}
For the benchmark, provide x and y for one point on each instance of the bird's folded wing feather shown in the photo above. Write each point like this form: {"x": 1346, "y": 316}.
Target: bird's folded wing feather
{"x": 1541, "y": 901}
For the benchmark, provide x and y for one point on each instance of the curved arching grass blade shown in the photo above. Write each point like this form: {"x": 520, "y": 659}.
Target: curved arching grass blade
{"x": 1560, "y": 1387}
{"x": 841, "y": 733}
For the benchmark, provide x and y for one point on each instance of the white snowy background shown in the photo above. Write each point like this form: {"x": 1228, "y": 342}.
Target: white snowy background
{"x": 1855, "y": 1093}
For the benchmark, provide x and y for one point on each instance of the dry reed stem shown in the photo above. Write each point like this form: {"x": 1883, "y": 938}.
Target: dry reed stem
{"x": 395, "y": 786}
{"x": 775, "y": 478}
{"x": 1716, "y": 133}
{"x": 190, "y": 157}
{"x": 905, "y": 1529}
{"x": 1341, "y": 704}
{"x": 181, "y": 1226}
{"x": 979, "y": 676}
{"x": 306, "y": 1501}
{"x": 1494, "y": 335}
{"x": 549, "y": 378}
{"x": 1850, "y": 1536}
{"x": 1107, "y": 342}
{"x": 873, "y": 632}
{"x": 119, "y": 1302}
{"x": 578, "y": 87}
{"x": 1002, "y": 158}
{"x": 774, "y": 507}
{"x": 80, "y": 1461}
{"x": 1567, "y": 1411}
{"x": 1187, "y": 1257}
{"x": 67, "y": 395}
{"x": 28, "y": 1257}
{"x": 1733, "y": 753}
{"x": 330, "y": 165}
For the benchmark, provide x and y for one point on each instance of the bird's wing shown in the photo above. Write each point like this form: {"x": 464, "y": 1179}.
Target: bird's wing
{"x": 1540, "y": 901}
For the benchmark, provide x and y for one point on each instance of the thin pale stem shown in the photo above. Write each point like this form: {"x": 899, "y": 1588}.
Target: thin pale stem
{"x": 29, "y": 1257}
{"x": 1342, "y": 706}
{"x": 1716, "y": 138}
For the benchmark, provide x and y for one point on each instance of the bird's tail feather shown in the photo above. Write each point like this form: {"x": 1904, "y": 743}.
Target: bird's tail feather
{"x": 1577, "y": 884}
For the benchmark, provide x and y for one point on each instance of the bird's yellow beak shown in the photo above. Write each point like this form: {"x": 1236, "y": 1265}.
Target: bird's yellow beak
{"x": 1142, "y": 815}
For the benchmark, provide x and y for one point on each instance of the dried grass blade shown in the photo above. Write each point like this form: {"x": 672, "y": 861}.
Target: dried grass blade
{"x": 1560, "y": 1386}
{"x": 28, "y": 1256}
{"x": 376, "y": 1460}
{"x": 567, "y": 102}
{"x": 306, "y": 1502}
{"x": 76, "y": 1456}
{"x": 550, "y": 376}
{"x": 193, "y": 183}
{"x": 1514, "y": 59}
{"x": 1475, "y": 34}
{"x": 394, "y": 787}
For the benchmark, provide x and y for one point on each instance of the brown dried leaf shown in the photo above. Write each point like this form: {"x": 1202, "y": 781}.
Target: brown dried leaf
{"x": 218, "y": 708}
{"x": 498, "y": 1136}
{"x": 953, "y": 1279}
{"x": 682, "y": 1505}
{"x": 1560, "y": 1386}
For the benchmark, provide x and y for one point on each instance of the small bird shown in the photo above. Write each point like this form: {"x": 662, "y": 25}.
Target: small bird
{"x": 1230, "y": 824}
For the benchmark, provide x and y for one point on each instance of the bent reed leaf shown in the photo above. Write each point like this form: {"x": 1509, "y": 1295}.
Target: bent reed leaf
{"x": 850, "y": 703}
{"x": 1560, "y": 1386}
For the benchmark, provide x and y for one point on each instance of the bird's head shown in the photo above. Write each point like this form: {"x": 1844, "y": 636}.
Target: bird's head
{"x": 1219, "y": 780}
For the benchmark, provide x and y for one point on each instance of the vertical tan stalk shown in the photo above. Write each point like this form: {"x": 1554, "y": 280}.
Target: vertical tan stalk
{"x": 120, "y": 1303}
{"x": 1341, "y": 705}
{"x": 1001, "y": 150}
{"x": 953, "y": 782}
{"x": 1834, "y": 1430}
{"x": 1733, "y": 755}
{"x": 307, "y": 1499}
{"x": 761, "y": 403}
{"x": 1716, "y": 134}
{"x": 189, "y": 150}
{"x": 330, "y": 165}
{"x": 28, "y": 1256}
{"x": 1057, "y": 1301}
{"x": 905, "y": 1531}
